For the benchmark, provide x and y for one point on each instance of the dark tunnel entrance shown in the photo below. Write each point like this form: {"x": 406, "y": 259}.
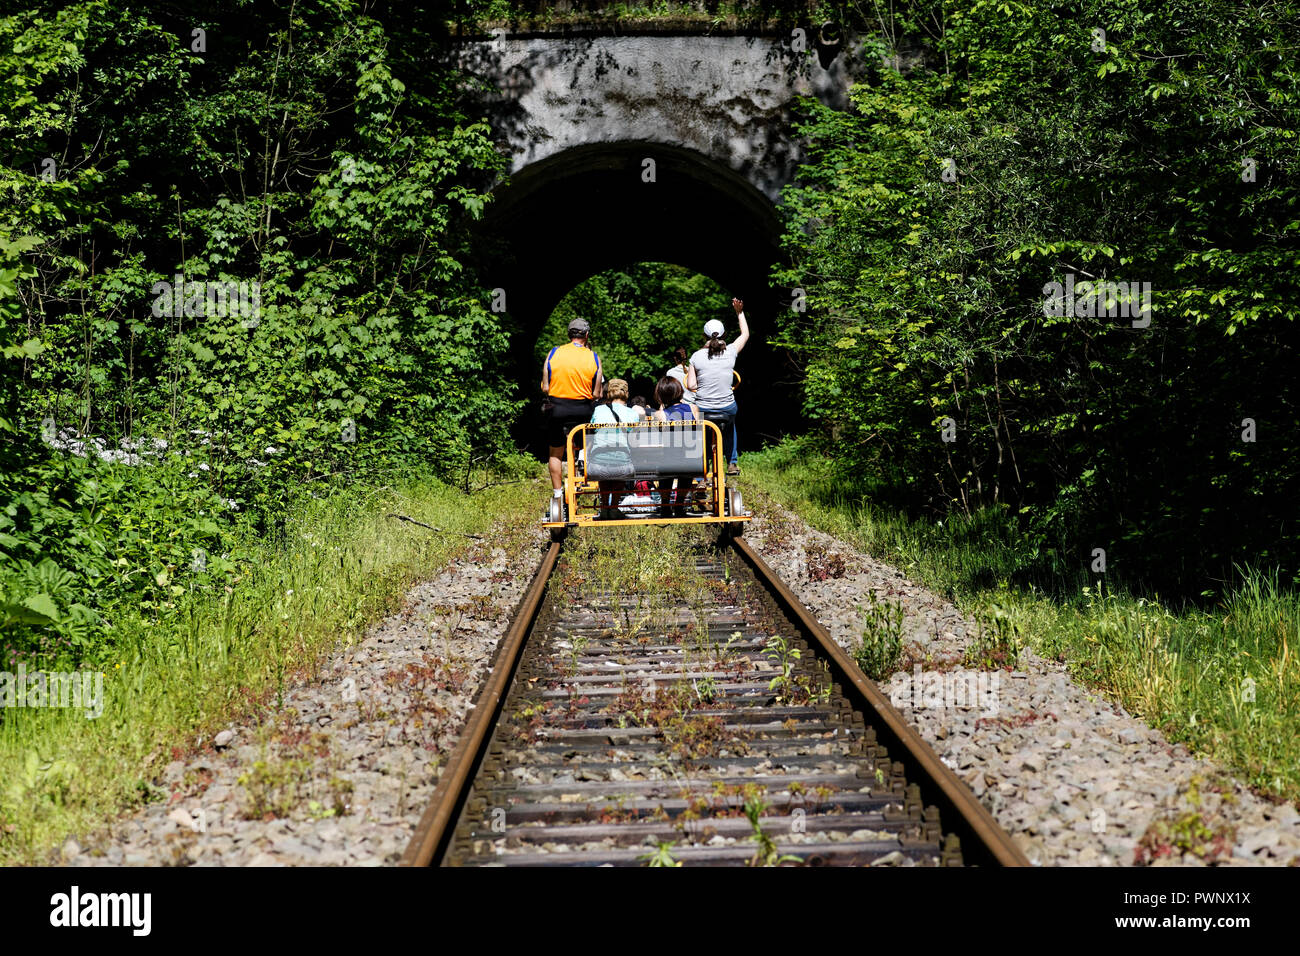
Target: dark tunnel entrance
{"x": 590, "y": 209}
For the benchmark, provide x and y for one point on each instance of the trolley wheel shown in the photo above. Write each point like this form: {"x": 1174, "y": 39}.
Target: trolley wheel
{"x": 735, "y": 503}
{"x": 558, "y": 534}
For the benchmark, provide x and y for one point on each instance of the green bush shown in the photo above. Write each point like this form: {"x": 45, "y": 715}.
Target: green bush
{"x": 319, "y": 153}
{"x": 1015, "y": 151}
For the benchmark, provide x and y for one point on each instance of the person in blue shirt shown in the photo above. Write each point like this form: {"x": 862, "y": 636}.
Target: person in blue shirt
{"x": 668, "y": 395}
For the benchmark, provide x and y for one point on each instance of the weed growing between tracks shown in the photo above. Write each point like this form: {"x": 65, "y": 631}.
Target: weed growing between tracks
{"x": 645, "y": 576}
{"x": 1225, "y": 680}
{"x": 336, "y": 567}
{"x": 767, "y": 853}
{"x": 644, "y": 590}
{"x": 662, "y": 855}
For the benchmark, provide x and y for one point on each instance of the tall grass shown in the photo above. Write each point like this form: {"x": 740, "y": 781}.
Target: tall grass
{"x": 1225, "y": 680}
{"x": 338, "y": 566}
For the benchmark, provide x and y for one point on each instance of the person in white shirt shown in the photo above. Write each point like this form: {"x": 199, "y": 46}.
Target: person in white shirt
{"x": 684, "y": 374}
{"x": 609, "y": 447}
{"x": 711, "y": 378}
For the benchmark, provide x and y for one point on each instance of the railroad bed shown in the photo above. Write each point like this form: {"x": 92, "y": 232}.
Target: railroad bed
{"x": 689, "y": 721}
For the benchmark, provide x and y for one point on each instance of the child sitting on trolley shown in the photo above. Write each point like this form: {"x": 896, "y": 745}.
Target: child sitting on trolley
{"x": 668, "y": 396}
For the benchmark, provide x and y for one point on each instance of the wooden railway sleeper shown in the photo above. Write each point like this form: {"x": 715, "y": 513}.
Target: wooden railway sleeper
{"x": 476, "y": 838}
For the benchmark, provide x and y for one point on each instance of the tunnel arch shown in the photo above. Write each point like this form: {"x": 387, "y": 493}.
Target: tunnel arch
{"x": 588, "y": 209}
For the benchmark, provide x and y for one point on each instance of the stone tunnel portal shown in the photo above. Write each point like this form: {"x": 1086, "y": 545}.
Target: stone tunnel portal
{"x": 593, "y": 208}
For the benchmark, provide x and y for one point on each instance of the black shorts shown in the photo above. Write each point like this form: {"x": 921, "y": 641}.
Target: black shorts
{"x": 566, "y": 414}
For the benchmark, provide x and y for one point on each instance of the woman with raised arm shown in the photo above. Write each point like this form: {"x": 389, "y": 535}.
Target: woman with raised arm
{"x": 713, "y": 366}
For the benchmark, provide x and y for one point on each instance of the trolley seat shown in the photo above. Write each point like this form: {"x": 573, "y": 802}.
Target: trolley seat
{"x": 645, "y": 451}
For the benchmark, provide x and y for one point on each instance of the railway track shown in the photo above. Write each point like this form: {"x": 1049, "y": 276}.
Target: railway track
{"x": 703, "y": 717}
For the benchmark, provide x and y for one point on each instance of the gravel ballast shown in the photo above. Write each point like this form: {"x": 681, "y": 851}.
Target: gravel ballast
{"x": 341, "y": 773}
{"x": 1073, "y": 777}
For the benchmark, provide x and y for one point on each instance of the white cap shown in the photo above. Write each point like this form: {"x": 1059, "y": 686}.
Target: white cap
{"x": 714, "y": 327}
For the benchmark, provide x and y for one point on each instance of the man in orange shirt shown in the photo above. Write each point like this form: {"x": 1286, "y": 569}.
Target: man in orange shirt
{"x": 572, "y": 381}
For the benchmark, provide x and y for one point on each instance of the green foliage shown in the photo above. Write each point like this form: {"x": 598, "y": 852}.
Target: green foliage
{"x": 314, "y": 153}
{"x": 661, "y": 855}
{"x": 997, "y": 639}
{"x": 229, "y": 645}
{"x": 1225, "y": 679}
{"x": 98, "y": 539}
{"x": 926, "y": 278}
{"x": 783, "y": 656}
{"x": 766, "y": 852}
{"x": 880, "y": 649}
{"x": 716, "y": 12}
{"x": 638, "y": 317}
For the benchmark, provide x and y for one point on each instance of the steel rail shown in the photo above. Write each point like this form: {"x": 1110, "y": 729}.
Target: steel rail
{"x": 983, "y": 842}
{"x": 434, "y": 827}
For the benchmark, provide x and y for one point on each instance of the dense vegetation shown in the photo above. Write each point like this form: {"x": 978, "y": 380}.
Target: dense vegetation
{"x": 639, "y": 316}
{"x": 1224, "y": 679}
{"x": 311, "y": 148}
{"x": 1020, "y": 145}
{"x": 193, "y": 495}
{"x": 702, "y": 12}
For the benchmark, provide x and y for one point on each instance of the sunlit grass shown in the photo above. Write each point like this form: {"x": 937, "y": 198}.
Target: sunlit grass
{"x": 1225, "y": 681}
{"x": 340, "y": 565}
